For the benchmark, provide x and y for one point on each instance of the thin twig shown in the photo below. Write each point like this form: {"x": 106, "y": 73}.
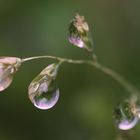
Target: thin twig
{"x": 117, "y": 77}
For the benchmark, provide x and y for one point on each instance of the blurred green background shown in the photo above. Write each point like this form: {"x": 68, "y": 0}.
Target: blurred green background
{"x": 88, "y": 96}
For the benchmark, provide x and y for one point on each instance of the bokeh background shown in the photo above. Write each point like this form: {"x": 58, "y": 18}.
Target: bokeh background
{"x": 88, "y": 96}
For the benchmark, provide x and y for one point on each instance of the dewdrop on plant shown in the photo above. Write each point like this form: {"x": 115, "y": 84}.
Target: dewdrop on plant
{"x": 126, "y": 115}
{"x": 79, "y": 33}
{"x": 43, "y": 91}
{"x": 8, "y": 67}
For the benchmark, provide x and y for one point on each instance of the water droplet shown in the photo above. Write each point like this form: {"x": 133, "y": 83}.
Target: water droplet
{"x": 43, "y": 91}
{"x": 125, "y": 118}
{"x": 79, "y": 33}
{"x": 8, "y": 67}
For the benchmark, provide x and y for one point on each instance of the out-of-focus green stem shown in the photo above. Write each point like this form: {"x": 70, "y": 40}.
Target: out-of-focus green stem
{"x": 129, "y": 87}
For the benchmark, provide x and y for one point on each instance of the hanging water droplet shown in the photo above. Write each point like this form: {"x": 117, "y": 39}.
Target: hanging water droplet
{"x": 43, "y": 91}
{"x": 8, "y": 67}
{"x": 79, "y": 33}
{"x": 125, "y": 117}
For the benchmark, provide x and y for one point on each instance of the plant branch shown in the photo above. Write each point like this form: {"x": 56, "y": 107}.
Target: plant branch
{"x": 117, "y": 77}
{"x": 57, "y": 58}
{"x": 127, "y": 86}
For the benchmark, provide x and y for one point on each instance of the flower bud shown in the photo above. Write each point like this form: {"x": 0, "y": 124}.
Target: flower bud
{"x": 8, "y": 67}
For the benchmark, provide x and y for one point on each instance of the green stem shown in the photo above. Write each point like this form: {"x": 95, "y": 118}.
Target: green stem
{"x": 117, "y": 77}
{"x": 56, "y": 58}
{"x": 127, "y": 86}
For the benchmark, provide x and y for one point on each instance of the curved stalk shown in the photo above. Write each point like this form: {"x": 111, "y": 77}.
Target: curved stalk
{"x": 128, "y": 87}
{"x": 117, "y": 77}
{"x": 56, "y": 58}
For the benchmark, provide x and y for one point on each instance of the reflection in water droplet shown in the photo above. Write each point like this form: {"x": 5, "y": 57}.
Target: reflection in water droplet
{"x": 125, "y": 118}
{"x": 8, "y": 67}
{"x": 43, "y": 92}
{"x": 5, "y": 78}
{"x": 76, "y": 41}
{"x": 126, "y": 125}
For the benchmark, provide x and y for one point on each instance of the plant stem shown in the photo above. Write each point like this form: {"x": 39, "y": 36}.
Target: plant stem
{"x": 56, "y": 58}
{"x": 117, "y": 77}
{"x": 127, "y": 86}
